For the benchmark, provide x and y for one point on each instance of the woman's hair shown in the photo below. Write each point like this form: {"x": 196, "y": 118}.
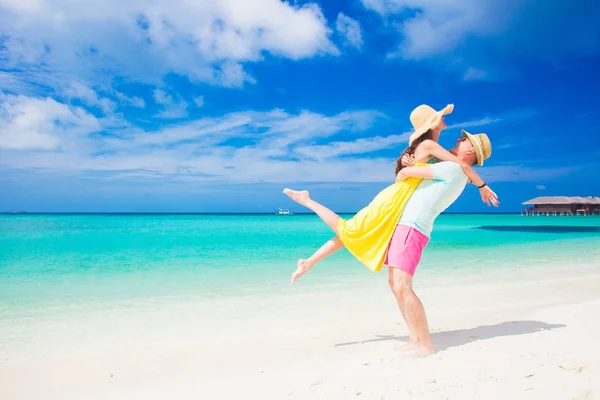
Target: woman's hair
{"x": 411, "y": 149}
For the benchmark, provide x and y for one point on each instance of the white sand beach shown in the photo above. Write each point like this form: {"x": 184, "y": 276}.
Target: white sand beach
{"x": 520, "y": 338}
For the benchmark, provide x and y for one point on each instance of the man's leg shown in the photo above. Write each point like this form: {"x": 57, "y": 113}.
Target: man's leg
{"x": 402, "y": 308}
{"x": 303, "y": 197}
{"x": 414, "y": 313}
{"x": 330, "y": 247}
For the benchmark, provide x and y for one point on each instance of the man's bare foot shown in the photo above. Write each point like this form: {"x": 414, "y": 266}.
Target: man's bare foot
{"x": 420, "y": 351}
{"x": 405, "y": 346}
{"x": 303, "y": 266}
{"x": 299, "y": 196}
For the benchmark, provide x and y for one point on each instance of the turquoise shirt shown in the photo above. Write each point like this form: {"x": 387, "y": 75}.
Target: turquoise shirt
{"x": 433, "y": 196}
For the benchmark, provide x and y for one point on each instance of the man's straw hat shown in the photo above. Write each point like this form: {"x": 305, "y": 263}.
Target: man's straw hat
{"x": 481, "y": 145}
{"x": 424, "y": 118}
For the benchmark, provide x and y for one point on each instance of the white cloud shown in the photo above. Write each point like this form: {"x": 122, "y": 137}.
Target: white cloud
{"x": 350, "y": 29}
{"x": 439, "y": 26}
{"x": 199, "y": 101}
{"x": 273, "y": 146}
{"x": 475, "y": 123}
{"x": 205, "y": 40}
{"x": 271, "y": 131}
{"x": 12, "y": 82}
{"x": 173, "y": 108}
{"x": 383, "y": 7}
{"x": 490, "y": 33}
{"x": 133, "y": 101}
{"x": 475, "y": 74}
{"x": 540, "y": 187}
{"x": 89, "y": 97}
{"x": 359, "y": 146}
{"x": 270, "y": 141}
{"x": 32, "y": 123}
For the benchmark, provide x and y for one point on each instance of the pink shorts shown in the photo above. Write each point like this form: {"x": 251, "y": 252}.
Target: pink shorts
{"x": 405, "y": 249}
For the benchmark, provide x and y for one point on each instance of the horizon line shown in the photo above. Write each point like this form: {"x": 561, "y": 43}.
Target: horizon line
{"x": 202, "y": 213}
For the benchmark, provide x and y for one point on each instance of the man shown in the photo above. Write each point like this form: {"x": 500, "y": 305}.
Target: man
{"x": 442, "y": 184}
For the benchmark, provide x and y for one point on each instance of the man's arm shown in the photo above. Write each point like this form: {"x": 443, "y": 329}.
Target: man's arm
{"x": 439, "y": 152}
{"x": 425, "y": 172}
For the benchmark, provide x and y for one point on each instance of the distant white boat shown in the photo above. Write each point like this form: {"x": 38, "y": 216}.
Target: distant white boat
{"x": 285, "y": 211}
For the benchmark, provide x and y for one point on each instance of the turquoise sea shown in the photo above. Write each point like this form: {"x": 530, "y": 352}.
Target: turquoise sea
{"x": 53, "y": 263}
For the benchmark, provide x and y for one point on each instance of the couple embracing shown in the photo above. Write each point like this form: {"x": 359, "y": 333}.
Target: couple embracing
{"x": 395, "y": 227}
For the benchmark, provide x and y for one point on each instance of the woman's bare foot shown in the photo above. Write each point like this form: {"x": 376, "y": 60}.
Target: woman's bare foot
{"x": 299, "y": 196}
{"x": 407, "y": 346}
{"x": 303, "y": 266}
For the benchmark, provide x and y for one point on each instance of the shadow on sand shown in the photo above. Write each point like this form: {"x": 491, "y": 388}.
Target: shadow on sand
{"x": 445, "y": 340}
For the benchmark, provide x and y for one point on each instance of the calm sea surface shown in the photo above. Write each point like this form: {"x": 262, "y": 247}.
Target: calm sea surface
{"x": 51, "y": 263}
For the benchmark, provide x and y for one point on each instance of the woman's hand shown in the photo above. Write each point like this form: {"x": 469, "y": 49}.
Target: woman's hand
{"x": 408, "y": 160}
{"x": 488, "y": 196}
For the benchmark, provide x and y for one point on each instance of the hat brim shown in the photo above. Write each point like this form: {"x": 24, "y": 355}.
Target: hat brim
{"x": 430, "y": 123}
{"x": 476, "y": 146}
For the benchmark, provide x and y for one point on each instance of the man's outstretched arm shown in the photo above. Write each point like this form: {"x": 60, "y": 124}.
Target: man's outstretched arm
{"x": 425, "y": 172}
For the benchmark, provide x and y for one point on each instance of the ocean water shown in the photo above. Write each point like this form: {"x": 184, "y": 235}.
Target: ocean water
{"x": 80, "y": 263}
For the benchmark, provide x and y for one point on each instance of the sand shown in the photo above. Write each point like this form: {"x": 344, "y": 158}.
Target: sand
{"x": 532, "y": 339}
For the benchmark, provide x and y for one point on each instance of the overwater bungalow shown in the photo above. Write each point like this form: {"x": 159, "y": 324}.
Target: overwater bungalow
{"x": 562, "y": 205}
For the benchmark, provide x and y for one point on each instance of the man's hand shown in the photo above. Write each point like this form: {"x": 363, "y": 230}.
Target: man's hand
{"x": 488, "y": 196}
{"x": 408, "y": 160}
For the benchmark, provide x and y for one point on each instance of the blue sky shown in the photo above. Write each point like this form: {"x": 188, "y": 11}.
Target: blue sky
{"x": 216, "y": 106}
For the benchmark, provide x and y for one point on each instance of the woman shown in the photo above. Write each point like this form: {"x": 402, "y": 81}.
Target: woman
{"x": 368, "y": 233}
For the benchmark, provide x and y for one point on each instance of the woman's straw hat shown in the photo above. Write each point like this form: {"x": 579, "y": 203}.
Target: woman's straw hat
{"x": 481, "y": 145}
{"x": 424, "y": 118}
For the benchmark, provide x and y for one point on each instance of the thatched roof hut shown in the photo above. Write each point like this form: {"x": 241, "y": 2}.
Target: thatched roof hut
{"x": 563, "y": 205}
{"x": 563, "y": 200}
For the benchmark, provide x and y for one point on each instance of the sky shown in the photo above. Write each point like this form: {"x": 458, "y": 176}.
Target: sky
{"x": 216, "y": 106}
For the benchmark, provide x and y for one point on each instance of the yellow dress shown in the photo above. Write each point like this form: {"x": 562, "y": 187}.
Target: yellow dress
{"x": 368, "y": 233}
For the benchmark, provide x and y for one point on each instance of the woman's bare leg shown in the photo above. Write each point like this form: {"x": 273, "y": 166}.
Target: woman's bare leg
{"x": 303, "y": 197}
{"x": 330, "y": 247}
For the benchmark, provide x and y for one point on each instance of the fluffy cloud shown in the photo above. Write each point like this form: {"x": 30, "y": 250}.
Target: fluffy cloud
{"x": 32, "y": 123}
{"x": 360, "y": 146}
{"x": 205, "y": 40}
{"x": 173, "y": 108}
{"x": 475, "y": 123}
{"x": 249, "y": 146}
{"x": 476, "y": 34}
{"x": 43, "y": 134}
{"x": 130, "y": 101}
{"x": 350, "y": 29}
{"x": 89, "y": 97}
{"x": 199, "y": 101}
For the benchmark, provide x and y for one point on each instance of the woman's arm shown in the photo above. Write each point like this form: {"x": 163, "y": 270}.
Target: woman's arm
{"x": 435, "y": 150}
{"x": 424, "y": 172}
{"x": 487, "y": 194}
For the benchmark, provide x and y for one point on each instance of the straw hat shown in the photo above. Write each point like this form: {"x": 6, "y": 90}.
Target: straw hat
{"x": 481, "y": 145}
{"x": 424, "y": 118}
